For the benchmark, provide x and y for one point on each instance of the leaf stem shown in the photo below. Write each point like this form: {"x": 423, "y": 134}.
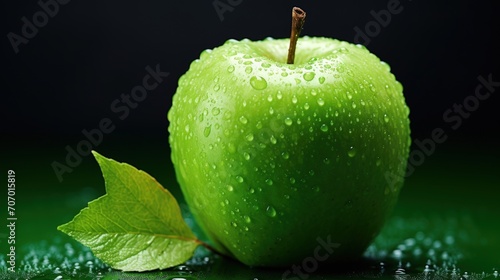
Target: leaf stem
{"x": 210, "y": 248}
{"x": 298, "y": 20}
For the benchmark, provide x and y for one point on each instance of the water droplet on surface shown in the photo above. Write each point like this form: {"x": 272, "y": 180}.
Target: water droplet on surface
{"x": 234, "y": 224}
{"x": 239, "y": 179}
{"x": 288, "y": 121}
{"x": 270, "y": 211}
{"x": 230, "y": 188}
{"x": 246, "y": 156}
{"x": 230, "y": 69}
{"x": 321, "y": 102}
{"x": 386, "y": 118}
{"x": 324, "y": 128}
{"x": 248, "y": 69}
{"x": 378, "y": 162}
{"x": 269, "y": 182}
{"x": 285, "y": 155}
{"x": 247, "y": 219}
{"x": 243, "y": 120}
{"x": 273, "y": 139}
{"x": 215, "y": 111}
{"x": 351, "y": 152}
{"x": 270, "y": 98}
{"x": 294, "y": 99}
{"x": 321, "y": 80}
{"x": 258, "y": 82}
{"x": 306, "y": 106}
{"x": 249, "y": 137}
{"x": 207, "y": 131}
{"x": 309, "y": 76}
{"x": 279, "y": 95}
{"x": 292, "y": 180}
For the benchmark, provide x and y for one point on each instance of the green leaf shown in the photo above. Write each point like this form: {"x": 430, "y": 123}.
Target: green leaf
{"x": 137, "y": 225}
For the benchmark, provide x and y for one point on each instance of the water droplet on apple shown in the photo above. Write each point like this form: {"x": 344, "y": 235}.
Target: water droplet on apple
{"x": 234, "y": 224}
{"x": 294, "y": 99}
{"x": 266, "y": 65}
{"x": 215, "y": 111}
{"x": 207, "y": 130}
{"x": 324, "y": 128}
{"x": 288, "y": 121}
{"x": 258, "y": 82}
{"x": 271, "y": 110}
{"x": 249, "y": 137}
{"x": 239, "y": 179}
{"x": 351, "y": 152}
{"x": 246, "y": 156}
{"x": 248, "y": 69}
{"x": 258, "y": 125}
{"x": 326, "y": 161}
{"x": 279, "y": 95}
{"x": 285, "y": 155}
{"x": 230, "y": 69}
{"x": 385, "y": 65}
{"x": 354, "y": 105}
{"x": 292, "y": 180}
{"x": 386, "y": 118}
{"x": 270, "y": 211}
{"x": 186, "y": 128}
{"x": 321, "y": 80}
{"x": 306, "y": 106}
{"x": 378, "y": 162}
{"x": 309, "y": 76}
{"x": 270, "y": 98}
{"x": 269, "y": 182}
{"x": 273, "y": 139}
{"x": 349, "y": 95}
{"x": 230, "y": 188}
{"x": 321, "y": 102}
{"x": 284, "y": 74}
{"x": 243, "y": 120}
{"x": 247, "y": 219}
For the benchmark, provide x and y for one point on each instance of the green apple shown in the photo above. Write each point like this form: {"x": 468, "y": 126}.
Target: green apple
{"x": 272, "y": 156}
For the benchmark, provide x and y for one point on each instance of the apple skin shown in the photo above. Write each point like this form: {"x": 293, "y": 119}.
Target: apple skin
{"x": 271, "y": 156}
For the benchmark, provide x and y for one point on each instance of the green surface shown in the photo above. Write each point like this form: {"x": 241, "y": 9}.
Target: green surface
{"x": 445, "y": 226}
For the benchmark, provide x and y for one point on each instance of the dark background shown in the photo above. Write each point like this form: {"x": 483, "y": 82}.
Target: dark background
{"x": 90, "y": 52}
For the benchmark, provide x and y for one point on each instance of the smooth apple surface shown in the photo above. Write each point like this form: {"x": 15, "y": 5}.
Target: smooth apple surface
{"x": 272, "y": 156}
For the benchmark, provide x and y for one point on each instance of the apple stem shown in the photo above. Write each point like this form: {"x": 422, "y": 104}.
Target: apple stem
{"x": 298, "y": 20}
